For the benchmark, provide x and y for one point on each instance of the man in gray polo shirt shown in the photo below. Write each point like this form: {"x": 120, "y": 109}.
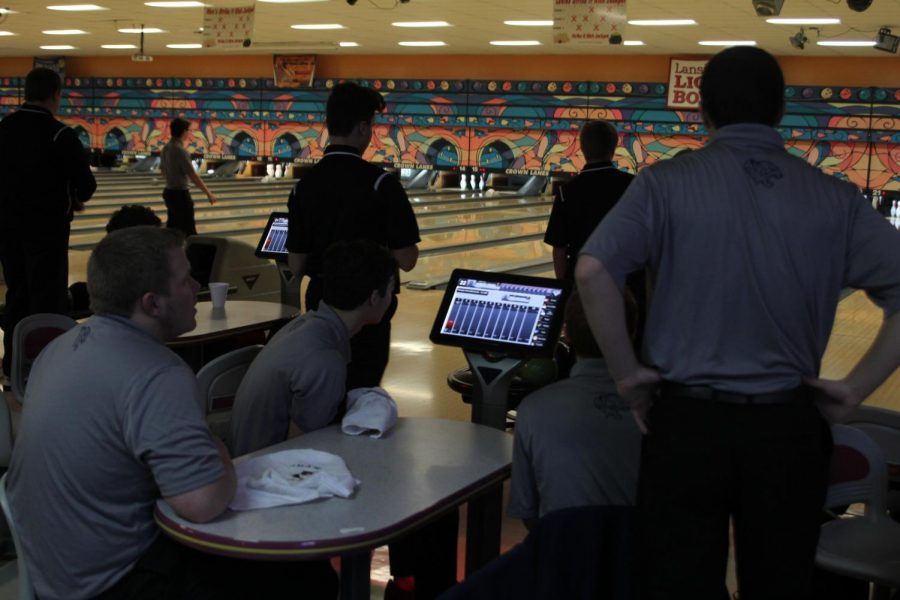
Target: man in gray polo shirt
{"x": 111, "y": 422}
{"x": 750, "y": 248}
{"x": 297, "y": 383}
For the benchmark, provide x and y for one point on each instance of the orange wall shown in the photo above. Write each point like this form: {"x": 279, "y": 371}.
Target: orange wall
{"x": 799, "y": 70}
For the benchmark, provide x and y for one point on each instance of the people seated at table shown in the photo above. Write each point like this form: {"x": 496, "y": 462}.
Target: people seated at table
{"x": 297, "y": 383}
{"x": 111, "y": 422}
{"x": 576, "y": 443}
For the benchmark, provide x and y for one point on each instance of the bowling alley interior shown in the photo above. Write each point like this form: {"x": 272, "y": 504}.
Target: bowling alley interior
{"x": 484, "y": 101}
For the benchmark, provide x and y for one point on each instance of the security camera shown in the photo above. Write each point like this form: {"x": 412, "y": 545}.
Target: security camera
{"x": 615, "y": 39}
{"x": 767, "y": 8}
{"x": 798, "y": 40}
{"x": 859, "y": 5}
{"x": 351, "y": 2}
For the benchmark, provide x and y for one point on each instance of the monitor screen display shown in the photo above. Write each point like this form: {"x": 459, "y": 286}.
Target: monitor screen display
{"x": 272, "y": 243}
{"x": 500, "y": 313}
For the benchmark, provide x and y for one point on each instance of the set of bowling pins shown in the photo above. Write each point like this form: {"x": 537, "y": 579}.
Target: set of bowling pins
{"x": 476, "y": 181}
{"x": 274, "y": 171}
{"x": 895, "y": 214}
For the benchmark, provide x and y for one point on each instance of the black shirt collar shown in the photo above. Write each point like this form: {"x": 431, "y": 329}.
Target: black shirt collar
{"x": 35, "y": 107}
{"x": 341, "y": 148}
{"x": 600, "y": 164}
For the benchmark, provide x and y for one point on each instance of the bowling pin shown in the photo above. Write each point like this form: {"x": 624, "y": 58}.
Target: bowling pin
{"x": 279, "y": 171}
{"x": 462, "y": 181}
{"x": 270, "y": 170}
{"x": 481, "y": 181}
{"x": 472, "y": 185}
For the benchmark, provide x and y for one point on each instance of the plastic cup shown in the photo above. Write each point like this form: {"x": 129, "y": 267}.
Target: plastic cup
{"x": 218, "y": 290}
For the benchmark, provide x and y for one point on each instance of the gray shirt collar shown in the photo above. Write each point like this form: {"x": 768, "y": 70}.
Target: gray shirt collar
{"x": 328, "y": 314}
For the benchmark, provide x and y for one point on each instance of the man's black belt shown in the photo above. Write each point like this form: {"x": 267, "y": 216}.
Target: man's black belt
{"x": 702, "y": 392}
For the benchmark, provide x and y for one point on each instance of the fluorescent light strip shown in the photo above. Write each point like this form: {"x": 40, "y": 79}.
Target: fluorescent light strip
{"x": 289, "y": 1}
{"x": 76, "y": 7}
{"x": 63, "y": 32}
{"x": 7, "y": 33}
{"x": 727, "y": 43}
{"x": 529, "y": 23}
{"x": 63, "y": 47}
{"x": 175, "y": 4}
{"x": 348, "y": 44}
{"x": 119, "y": 46}
{"x": 184, "y": 46}
{"x": 515, "y": 43}
{"x": 317, "y": 26}
{"x": 420, "y": 24}
{"x": 802, "y": 21}
{"x": 421, "y": 44}
{"x": 847, "y": 43}
{"x": 661, "y": 22}
{"x": 139, "y": 30}
{"x": 8, "y": 11}
{"x": 632, "y": 43}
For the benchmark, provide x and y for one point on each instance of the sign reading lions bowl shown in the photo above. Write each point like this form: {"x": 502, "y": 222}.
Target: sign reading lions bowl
{"x": 684, "y": 83}
{"x": 588, "y": 21}
{"x": 228, "y": 27}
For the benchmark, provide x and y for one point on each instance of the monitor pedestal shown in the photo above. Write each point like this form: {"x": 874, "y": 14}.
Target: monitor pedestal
{"x": 491, "y": 387}
{"x": 290, "y": 286}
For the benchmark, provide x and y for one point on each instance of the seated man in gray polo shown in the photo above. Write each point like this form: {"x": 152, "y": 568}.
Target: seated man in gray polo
{"x": 297, "y": 382}
{"x": 111, "y": 422}
{"x": 575, "y": 441}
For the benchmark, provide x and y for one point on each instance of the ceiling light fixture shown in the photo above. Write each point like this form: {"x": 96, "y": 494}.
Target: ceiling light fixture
{"x": 847, "y": 43}
{"x": 661, "y": 22}
{"x": 139, "y": 30}
{"x": 76, "y": 7}
{"x": 804, "y": 21}
{"x": 421, "y": 24}
{"x": 421, "y": 44}
{"x": 348, "y": 44}
{"x": 633, "y": 43}
{"x": 118, "y": 46}
{"x": 58, "y": 47}
{"x": 175, "y": 4}
{"x": 63, "y": 32}
{"x": 317, "y": 26}
{"x": 727, "y": 43}
{"x": 289, "y": 1}
{"x": 184, "y": 46}
{"x": 515, "y": 23}
{"x": 514, "y": 43}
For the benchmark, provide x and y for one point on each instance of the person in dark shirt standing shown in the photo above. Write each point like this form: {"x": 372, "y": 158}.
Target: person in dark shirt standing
{"x": 345, "y": 198}
{"x": 580, "y": 204}
{"x": 176, "y": 166}
{"x": 45, "y": 178}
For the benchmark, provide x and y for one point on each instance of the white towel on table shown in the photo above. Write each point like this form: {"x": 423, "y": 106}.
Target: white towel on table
{"x": 369, "y": 410}
{"x": 290, "y": 477}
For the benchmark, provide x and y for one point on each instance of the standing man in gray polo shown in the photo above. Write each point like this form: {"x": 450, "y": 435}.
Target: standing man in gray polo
{"x": 750, "y": 248}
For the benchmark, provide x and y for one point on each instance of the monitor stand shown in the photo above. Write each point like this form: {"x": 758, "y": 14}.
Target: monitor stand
{"x": 290, "y": 285}
{"x": 490, "y": 391}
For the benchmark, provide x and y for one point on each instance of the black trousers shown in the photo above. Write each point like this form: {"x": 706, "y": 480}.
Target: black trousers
{"x": 763, "y": 466}
{"x": 180, "y": 211}
{"x": 169, "y": 571}
{"x": 36, "y": 270}
{"x": 370, "y": 348}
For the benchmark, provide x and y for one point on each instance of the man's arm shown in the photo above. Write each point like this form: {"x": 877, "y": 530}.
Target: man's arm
{"x": 841, "y": 397}
{"x": 208, "y": 502}
{"x": 605, "y": 310}
{"x": 559, "y": 262}
{"x": 297, "y": 263}
{"x": 81, "y": 181}
{"x": 406, "y": 257}
{"x": 195, "y": 178}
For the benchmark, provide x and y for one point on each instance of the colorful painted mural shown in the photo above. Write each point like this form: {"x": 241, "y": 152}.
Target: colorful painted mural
{"x": 525, "y": 127}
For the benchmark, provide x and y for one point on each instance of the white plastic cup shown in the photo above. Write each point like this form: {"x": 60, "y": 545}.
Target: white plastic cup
{"x": 218, "y": 290}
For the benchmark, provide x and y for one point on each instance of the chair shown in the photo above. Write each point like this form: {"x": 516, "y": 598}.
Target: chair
{"x": 26, "y": 590}
{"x": 31, "y": 335}
{"x": 219, "y": 380}
{"x": 883, "y": 426}
{"x": 866, "y": 547}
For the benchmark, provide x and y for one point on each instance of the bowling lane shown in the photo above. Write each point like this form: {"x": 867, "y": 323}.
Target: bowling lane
{"x": 434, "y": 270}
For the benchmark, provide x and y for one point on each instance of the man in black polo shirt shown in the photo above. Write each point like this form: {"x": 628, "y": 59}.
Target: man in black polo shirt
{"x": 582, "y": 203}
{"x": 345, "y": 198}
{"x": 44, "y": 178}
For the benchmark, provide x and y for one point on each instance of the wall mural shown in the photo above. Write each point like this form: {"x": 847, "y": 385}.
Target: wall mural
{"x": 523, "y": 127}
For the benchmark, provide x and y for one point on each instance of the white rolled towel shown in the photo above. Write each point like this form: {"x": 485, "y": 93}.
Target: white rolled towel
{"x": 369, "y": 410}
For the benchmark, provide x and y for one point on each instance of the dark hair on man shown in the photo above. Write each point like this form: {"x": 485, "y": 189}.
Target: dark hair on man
{"x": 128, "y": 263}
{"x": 578, "y": 332}
{"x": 132, "y": 215}
{"x": 42, "y": 84}
{"x": 598, "y": 140}
{"x": 178, "y": 126}
{"x": 351, "y": 271}
{"x": 350, "y": 104}
{"x": 742, "y": 85}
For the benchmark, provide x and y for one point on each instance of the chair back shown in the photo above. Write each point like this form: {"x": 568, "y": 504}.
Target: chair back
{"x": 26, "y": 591}
{"x": 219, "y": 380}
{"x": 858, "y": 472}
{"x": 32, "y": 334}
{"x": 883, "y": 426}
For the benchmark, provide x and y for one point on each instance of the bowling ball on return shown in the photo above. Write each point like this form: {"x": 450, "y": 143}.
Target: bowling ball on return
{"x": 538, "y": 372}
